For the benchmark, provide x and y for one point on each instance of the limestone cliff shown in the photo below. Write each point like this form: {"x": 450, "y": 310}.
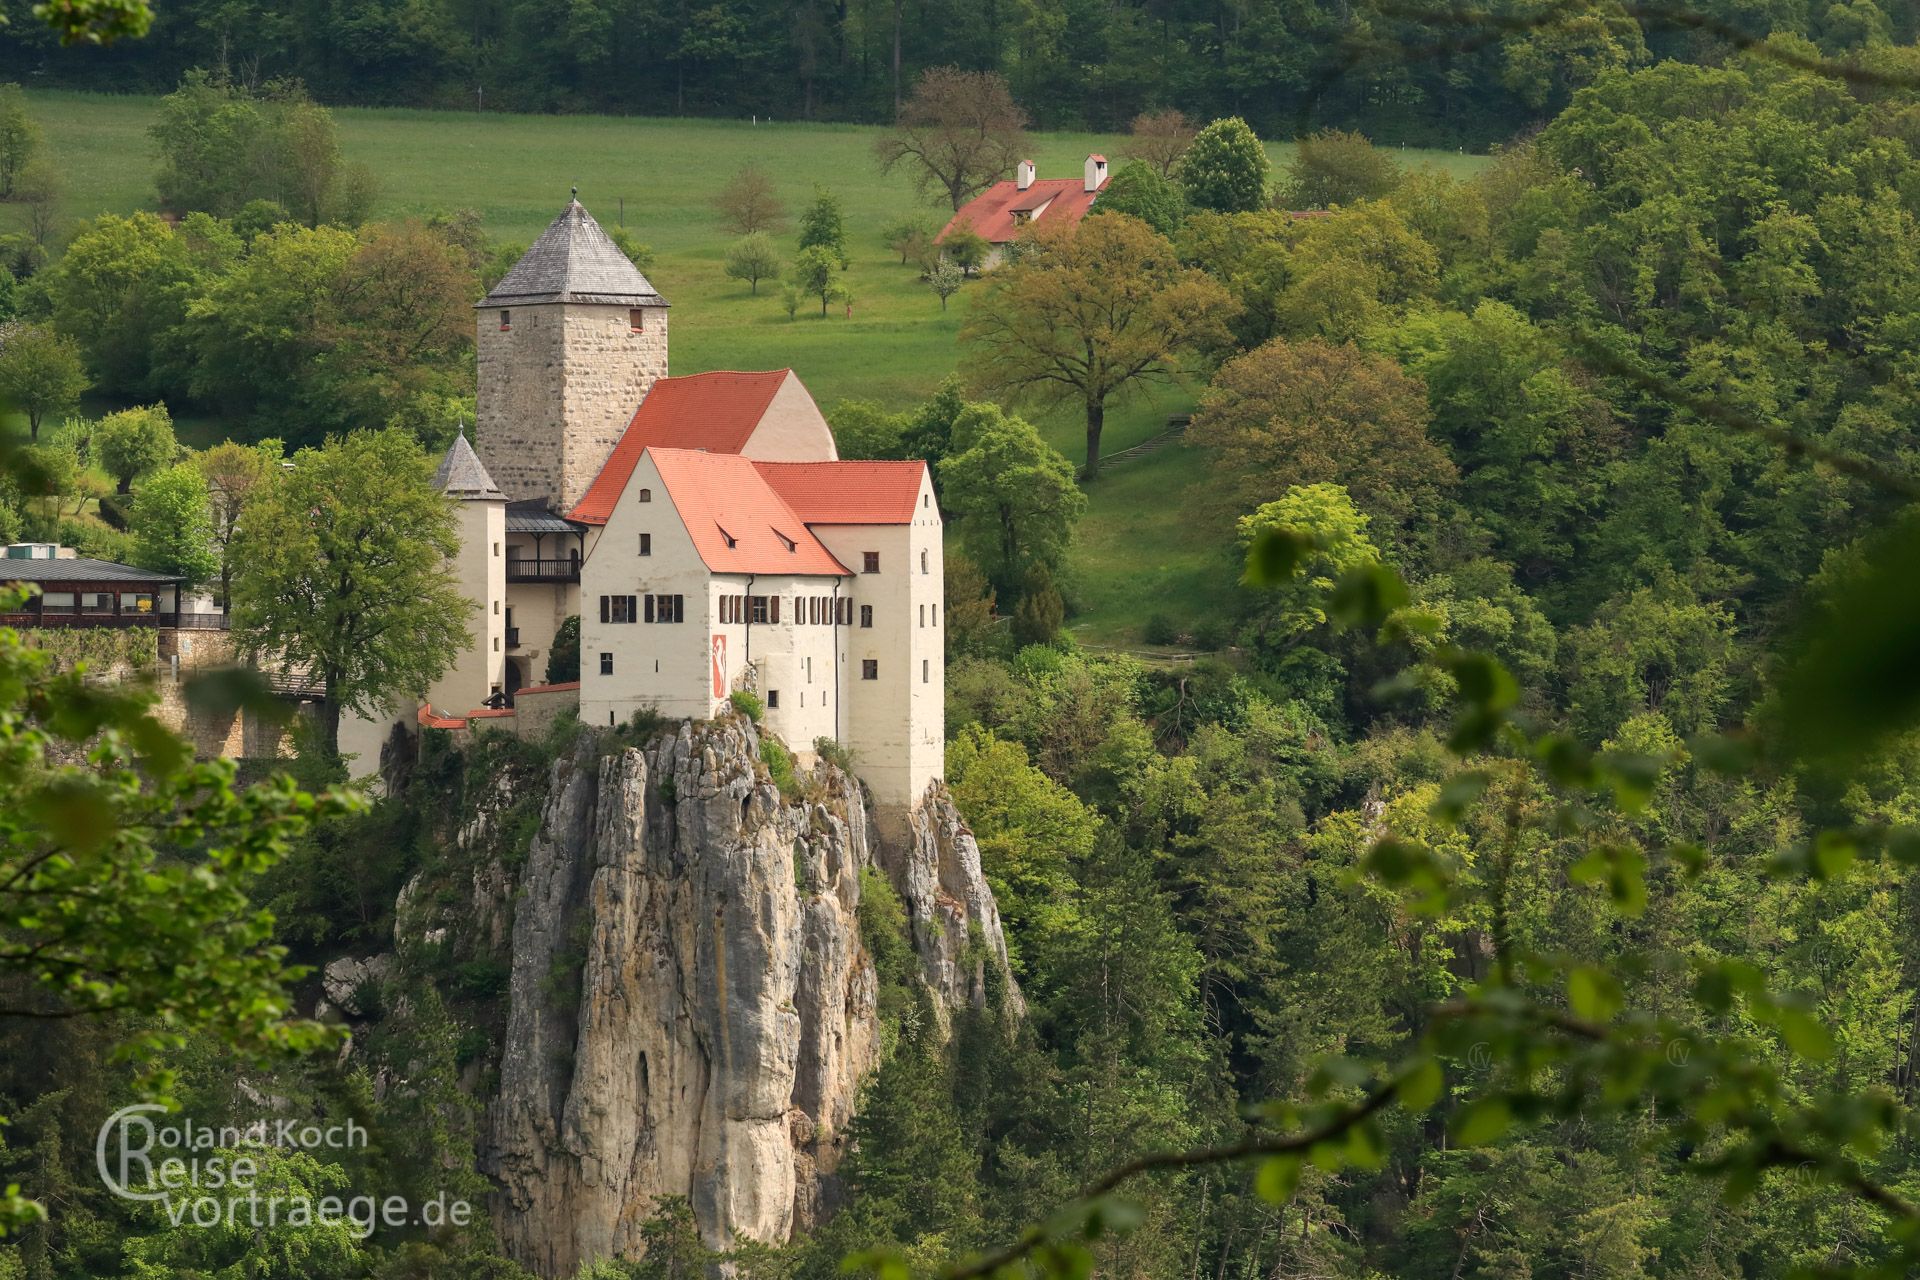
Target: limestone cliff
{"x": 692, "y": 1011}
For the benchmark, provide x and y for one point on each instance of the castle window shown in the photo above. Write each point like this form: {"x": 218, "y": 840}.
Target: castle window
{"x": 869, "y": 669}
{"x": 606, "y": 664}
{"x": 645, "y": 495}
{"x": 925, "y": 501}
{"x": 925, "y": 668}
{"x": 923, "y": 615}
{"x": 936, "y": 615}
{"x": 637, "y": 319}
{"x": 872, "y": 564}
{"x": 666, "y": 609}
{"x": 646, "y": 544}
{"x": 756, "y": 609}
{"x": 506, "y": 321}
{"x": 866, "y": 615}
{"x": 615, "y": 609}
{"x": 923, "y": 562}
{"x": 773, "y": 699}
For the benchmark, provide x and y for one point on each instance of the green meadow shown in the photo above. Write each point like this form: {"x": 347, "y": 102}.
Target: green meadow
{"x": 1140, "y": 541}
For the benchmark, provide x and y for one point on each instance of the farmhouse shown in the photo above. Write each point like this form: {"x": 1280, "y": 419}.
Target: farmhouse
{"x": 998, "y": 214}
{"x": 702, "y": 529}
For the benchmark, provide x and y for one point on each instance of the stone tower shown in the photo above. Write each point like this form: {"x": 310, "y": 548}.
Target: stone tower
{"x": 568, "y": 344}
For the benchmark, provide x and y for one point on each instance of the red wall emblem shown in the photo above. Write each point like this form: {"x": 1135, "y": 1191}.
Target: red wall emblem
{"x": 719, "y": 666}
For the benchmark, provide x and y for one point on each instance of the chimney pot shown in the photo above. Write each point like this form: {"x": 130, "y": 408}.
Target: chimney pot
{"x": 1023, "y": 175}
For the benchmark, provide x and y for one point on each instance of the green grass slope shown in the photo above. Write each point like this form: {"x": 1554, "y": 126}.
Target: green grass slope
{"x": 658, "y": 178}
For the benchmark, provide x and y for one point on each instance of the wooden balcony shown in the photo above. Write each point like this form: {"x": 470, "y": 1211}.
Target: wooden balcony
{"x": 567, "y": 570}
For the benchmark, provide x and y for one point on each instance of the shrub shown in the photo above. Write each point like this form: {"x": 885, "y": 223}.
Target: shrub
{"x": 779, "y": 762}
{"x": 747, "y": 704}
{"x": 1159, "y": 629}
{"x": 1041, "y": 612}
{"x": 481, "y": 979}
{"x": 834, "y": 753}
{"x": 1213, "y": 633}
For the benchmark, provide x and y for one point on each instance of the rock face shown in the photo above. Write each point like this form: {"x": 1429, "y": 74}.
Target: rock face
{"x": 692, "y": 1010}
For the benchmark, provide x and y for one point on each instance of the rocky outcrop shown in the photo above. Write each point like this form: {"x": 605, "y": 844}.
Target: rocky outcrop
{"x": 956, "y": 924}
{"x": 692, "y": 1011}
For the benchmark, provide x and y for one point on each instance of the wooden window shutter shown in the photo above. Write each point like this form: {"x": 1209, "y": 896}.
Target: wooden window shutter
{"x": 606, "y": 605}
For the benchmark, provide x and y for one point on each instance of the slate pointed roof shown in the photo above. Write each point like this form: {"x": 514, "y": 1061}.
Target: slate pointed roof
{"x": 574, "y": 261}
{"x": 463, "y": 476}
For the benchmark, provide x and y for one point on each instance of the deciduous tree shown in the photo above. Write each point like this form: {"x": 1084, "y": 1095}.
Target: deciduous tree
{"x": 813, "y": 275}
{"x": 1337, "y": 167}
{"x": 1142, "y": 191}
{"x": 824, "y": 226}
{"x": 128, "y": 444}
{"x": 752, "y": 258}
{"x": 20, "y": 138}
{"x": 945, "y": 277}
{"x": 172, "y": 525}
{"x": 1159, "y": 139}
{"x": 1306, "y": 413}
{"x": 1088, "y": 315}
{"x": 41, "y": 373}
{"x": 343, "y": 574}
{"x": 1011, "y": 493}
{"x": 236, "y": 474}
{"x": 960, "y": 131}
{"x": 1225, "y": 169}
{"x": 749, "y": 203}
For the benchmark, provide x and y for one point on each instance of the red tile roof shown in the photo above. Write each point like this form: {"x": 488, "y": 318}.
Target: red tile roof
{"x": 847, "y": 492}
{"x": 431, "y": 721}
{"x": 713, "y": 411}
{"x": 489, "y": 713}
{"x": 739, "y": 524}
{"x": 990, "y": 213}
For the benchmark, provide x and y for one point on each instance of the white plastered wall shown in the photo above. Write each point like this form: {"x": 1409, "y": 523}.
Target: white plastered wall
{"x": 895, "y": 724}
{"x": 480, "y": 571}
{"x": 658, "y": 665}
{"x": 792, "y": 429}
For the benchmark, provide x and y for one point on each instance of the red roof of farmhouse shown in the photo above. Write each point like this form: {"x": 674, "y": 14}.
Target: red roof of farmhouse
{"x": 739, "y": 524}
{"x": 990, "y": 213}
{"x": 847, "y": 492}
{"x": 714, "y": 411}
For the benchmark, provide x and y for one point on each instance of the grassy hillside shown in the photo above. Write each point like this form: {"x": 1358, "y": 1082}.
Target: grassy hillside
{"x": 658, "y": 176}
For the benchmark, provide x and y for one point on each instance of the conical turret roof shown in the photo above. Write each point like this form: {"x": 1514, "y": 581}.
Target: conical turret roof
{"x": 463, "y": 476}
{"x": 574, "y": 261}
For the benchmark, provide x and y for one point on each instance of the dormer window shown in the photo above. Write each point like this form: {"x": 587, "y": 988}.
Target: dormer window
{"x": 506, "y": 320}
{"x": 645, "y": 495}
{"x": 731, "y": 540}
{"x": 1021, "y": 217}
{"x": 637, "y": 319}
{"x": 786, "y": 542}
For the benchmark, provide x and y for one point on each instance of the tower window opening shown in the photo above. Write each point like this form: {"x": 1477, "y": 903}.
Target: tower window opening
{"x": 637, "y": 319}
{"x": 506, "y": 321}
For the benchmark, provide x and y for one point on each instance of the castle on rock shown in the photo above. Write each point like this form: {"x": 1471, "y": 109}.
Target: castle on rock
{"x": 703, "y": 529}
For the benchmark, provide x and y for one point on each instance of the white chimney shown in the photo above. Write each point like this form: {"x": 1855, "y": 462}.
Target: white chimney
{"x": 1023, "y": 175}
{"x": 1096, "y": 172}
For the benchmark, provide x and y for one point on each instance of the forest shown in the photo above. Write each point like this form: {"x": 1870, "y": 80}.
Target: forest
{"x": 1512, "y": 872}
{"x": 1425, "y": 74}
